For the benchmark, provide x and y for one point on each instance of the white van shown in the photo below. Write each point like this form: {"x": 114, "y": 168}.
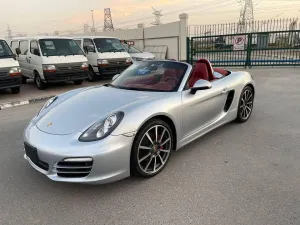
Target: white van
{"x": 106, "y": 55}
{"x": 50, "y": 60}
{"x": 10, "y": 72}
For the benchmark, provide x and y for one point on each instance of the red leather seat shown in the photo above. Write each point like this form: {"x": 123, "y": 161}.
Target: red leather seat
{"x": 221, "y": 71}
{"x": 203, "y": 70}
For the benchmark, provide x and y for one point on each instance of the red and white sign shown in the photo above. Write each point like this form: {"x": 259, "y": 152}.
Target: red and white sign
{"x": 239, "y": 42}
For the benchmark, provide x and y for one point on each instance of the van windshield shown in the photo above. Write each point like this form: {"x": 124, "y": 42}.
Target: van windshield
{"x": 131, "y": 49}
{"x": 5, "y": 51}
{"x": 108, "y": 45}
{"x": 59, "y": 47}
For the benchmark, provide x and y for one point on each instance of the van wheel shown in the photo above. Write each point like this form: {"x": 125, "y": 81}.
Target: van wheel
{"x": 15, "y": 90}
{"x": 92, "y": 75}
{"x": 39, "y": 83}
{"x": 24, "y": 80}
{"x": 78, "y": 82}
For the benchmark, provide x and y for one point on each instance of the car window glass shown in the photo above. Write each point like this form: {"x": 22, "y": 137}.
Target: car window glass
{"x": 33, "y": 45}
{"x": 152, "y": 76}
{"x": 24, "y": 47}
{"x": 88, "y": 43}
{"x": 78, "y": 42}
{"x": 14, "y": 45}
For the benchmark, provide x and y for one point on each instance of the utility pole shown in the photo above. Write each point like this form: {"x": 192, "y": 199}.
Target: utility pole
{"x": 9, "y": 36}
{"x": 157, "y": 14}
{"x": 93, "y": 29}
{"x": 246, "y": 21}
{"x": 108, "y": 24}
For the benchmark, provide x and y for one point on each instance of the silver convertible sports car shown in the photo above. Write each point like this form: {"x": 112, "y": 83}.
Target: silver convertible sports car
{"x": 132, "y": 125}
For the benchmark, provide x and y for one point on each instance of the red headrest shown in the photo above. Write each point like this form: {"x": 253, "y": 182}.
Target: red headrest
{"x": 200, "y": 72}
{"x": 209, "y": 68}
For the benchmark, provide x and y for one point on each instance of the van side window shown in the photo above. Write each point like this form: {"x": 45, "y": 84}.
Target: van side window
{"x": 14, "y": 45}
{"x": 24, "y": 47}
{"x": 88, "y": 43}
{"x": 33, "y": 46}
{"x": 78, "y": 42}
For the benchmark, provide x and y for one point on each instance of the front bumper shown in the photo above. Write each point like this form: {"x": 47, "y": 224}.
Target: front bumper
{"x": 111, "y": 156}
{"x": 71, "y": 75}
{"x": 10, "y": 82}
{"x": 111, "y": 70}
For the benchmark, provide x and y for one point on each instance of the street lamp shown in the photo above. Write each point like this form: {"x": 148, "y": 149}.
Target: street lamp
{"x": 93, "y": 20}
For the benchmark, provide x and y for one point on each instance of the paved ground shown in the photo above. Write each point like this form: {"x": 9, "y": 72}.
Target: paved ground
{"x": 29, "y": 90}
{"x": 244, "y": 174}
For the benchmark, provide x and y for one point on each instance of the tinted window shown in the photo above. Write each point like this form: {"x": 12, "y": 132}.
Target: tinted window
{"x": 109, "y": 45}
{"x": 78, "y": 42}
{"x": 5, "y": 51}
{"x": 152, "y": 76}
{"x": 14, "y": 45}
{"x": 59, "y": 47}
{"x": 33, "y": 45}
{"x": 24, "y": 47}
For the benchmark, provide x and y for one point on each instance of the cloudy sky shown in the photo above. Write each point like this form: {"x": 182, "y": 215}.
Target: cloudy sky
{"x": 41, "y": 16}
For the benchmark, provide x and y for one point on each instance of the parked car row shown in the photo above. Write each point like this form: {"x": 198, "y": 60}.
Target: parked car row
{"x": 59, "y": 59}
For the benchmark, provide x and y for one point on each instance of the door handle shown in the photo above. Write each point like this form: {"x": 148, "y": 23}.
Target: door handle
{"x": 224, "y": 90}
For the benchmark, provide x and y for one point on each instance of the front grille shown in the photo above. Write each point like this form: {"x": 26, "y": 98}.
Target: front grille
{"x": 73, "y": 169}
{"x": 3, "y": 73}
{"x": 69, "y": 68}
{"x": 8, "y": 82}
{"x": 31, "y": 153}
{"x": 113, "y": 68}
{"x": 117, "y": 62}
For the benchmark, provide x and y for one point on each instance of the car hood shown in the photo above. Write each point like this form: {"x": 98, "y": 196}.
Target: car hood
{"x": 64, "y": 59}
{"x": 113, "y": 55}
{"x": 8, "y": 62}
{"x": 80, "y": 111}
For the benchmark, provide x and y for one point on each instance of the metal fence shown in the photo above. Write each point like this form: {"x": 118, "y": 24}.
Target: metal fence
{"x": 271, "y": 43}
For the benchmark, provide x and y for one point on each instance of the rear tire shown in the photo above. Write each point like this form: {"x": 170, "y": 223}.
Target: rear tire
{"x": 24, "y": 80}
{"x": 149, "y": 159}
{"x": 92, "y": 75}
{"x": 245, "y": 106}
{"x": 39, "y": 83}
{"x": 78, "y": 82}
{"x": 15, "y": 90}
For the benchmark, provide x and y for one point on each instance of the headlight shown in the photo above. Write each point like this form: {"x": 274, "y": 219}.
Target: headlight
{"x": 48, "y": 103}
{"x": 85, "y": 66}
{"x": 15, "y": 71}
{"x": 102, "y": 62}
{"x": 128, "y": 61}
{"x": 49, "y": 68}
{"x": 102, "y": 128}
{"x": 137, "y": 59}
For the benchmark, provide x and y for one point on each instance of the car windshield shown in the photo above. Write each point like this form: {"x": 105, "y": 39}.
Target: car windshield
{"x": 164, "y": 76}
{"x": 5, "y": 51}
{"x": 131, "y": 49}
{"x": 108, "y": 45}
{"x": 59, "y": 47}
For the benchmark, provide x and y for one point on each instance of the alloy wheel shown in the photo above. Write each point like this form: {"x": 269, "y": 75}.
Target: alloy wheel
{"x": 154, "y": 149}
{"x": 246, "y": 104}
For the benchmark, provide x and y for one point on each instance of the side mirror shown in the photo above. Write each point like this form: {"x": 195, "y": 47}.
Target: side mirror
{"x": 18, "y": 51}
{"x": 36, "y": 52}
{"x": 200, "y": 85}
{"x": 85, "y": 49}
{"x": 14, "y": 56}
{"x": 115, "y": 76}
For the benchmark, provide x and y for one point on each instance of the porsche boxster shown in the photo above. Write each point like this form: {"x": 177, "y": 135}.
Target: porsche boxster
{"x": 132, "y": 125}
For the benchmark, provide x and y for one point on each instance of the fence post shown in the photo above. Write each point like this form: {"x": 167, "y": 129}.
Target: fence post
{"x": 249, "y": 50}
{"x": 188, "y": 50}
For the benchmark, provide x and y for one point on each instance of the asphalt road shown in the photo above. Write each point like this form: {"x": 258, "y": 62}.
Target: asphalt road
{"x": 240, "y": 174}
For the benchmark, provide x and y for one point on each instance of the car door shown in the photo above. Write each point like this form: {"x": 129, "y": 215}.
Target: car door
{"x": 23, "y": 57}
{"x": 203, "y": 107}
{"x": 91, "y": 54}
{"x": 35, "y": 58}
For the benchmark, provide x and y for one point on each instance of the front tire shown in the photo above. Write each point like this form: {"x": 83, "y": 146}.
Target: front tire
{"x": 151, "y": 149}
{"x": 92, "y": 75}
{"x": 15, "y": 90}
{"x": 245, "y": 105}
{"x": 39, "y": 83}
{"x": 24, "y": 80}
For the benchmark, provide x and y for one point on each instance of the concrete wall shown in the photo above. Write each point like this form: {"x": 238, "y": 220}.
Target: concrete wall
{"x": 172, "y": 35}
